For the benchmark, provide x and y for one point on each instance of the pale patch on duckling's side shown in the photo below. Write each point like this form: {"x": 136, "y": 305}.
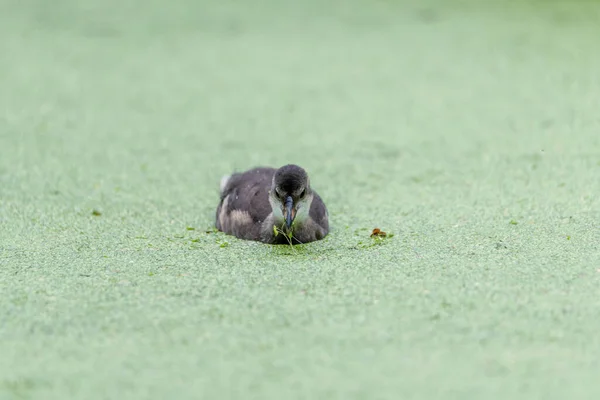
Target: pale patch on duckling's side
{"x": 239, "y": 218}
{"x": 223, "y": 213}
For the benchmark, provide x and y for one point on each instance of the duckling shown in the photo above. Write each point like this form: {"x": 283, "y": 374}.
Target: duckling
{"x": 275, "y": 206}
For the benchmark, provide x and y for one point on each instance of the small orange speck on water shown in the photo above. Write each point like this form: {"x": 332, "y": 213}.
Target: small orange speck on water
{"x": 378, "y": 232}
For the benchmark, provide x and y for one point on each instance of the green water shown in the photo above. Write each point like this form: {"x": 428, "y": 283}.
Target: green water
{"x": 470, "y": 131}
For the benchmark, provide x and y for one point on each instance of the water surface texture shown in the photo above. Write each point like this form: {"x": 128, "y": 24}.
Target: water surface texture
{"x": 468, "y": 130}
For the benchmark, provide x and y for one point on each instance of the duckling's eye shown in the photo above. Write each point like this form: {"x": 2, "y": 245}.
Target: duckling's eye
{"x": 303, "y": 192}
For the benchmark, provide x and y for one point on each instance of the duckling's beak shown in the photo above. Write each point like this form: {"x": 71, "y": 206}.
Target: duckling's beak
{"x": 289, "y": 217}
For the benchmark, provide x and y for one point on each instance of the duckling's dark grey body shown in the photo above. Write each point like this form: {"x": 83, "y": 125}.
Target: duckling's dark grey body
{"x": 254, "y": 202}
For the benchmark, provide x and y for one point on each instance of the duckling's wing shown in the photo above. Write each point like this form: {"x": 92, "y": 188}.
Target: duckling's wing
{"x": 245, "y": 203}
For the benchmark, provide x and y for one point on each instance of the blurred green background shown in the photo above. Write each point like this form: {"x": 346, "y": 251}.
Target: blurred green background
{"x": 468, "y": 129}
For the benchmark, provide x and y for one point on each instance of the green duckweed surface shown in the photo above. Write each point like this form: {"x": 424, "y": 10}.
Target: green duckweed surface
{"x": 469, "y": 130}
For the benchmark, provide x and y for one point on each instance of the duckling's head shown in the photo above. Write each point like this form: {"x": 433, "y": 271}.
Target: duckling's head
{"x": 290, "y": 195}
